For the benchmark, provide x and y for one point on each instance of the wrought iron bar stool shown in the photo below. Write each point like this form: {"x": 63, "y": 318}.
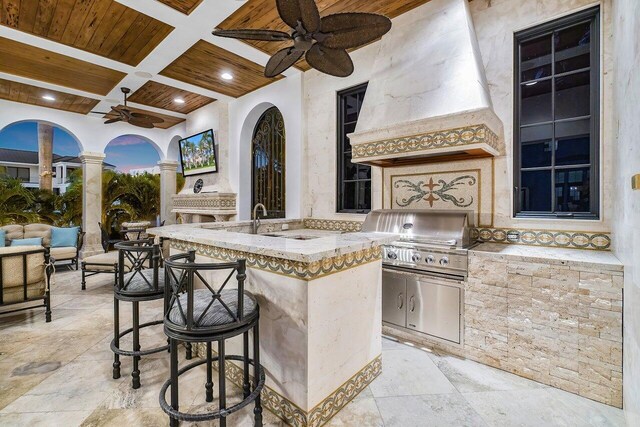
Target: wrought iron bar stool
{"x": 143, "y": 281}
{"x": 206, "y": 315}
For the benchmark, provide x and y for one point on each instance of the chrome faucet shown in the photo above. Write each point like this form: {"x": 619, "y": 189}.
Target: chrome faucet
{"x": 256, "y": 220}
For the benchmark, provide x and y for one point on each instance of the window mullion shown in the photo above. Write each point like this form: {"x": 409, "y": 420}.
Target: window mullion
{"x": 553, "y": 127}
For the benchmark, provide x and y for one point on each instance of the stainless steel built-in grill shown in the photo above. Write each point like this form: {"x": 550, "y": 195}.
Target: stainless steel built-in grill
{"x": 424, "y": 269}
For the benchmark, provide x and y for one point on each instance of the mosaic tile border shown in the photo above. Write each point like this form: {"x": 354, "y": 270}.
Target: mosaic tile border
{"x": 204, "y": 202}
{"x": 467, "y": 135}
{"x": 292, "y": 414}
{"x": 550, "y": 238}
{"x": 296, "y": 269}
{"x": 332, "y": 224}
{"x": 337, "y": 400}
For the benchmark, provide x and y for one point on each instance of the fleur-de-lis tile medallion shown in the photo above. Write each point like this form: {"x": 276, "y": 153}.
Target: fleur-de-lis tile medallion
{"x": 457, "y": 191}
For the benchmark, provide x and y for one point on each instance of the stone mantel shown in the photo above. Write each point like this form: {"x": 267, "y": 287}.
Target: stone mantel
{"x": 192, "y": 207}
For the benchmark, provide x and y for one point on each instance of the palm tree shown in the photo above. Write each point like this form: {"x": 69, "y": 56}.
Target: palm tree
{"x": 16, "y": 203}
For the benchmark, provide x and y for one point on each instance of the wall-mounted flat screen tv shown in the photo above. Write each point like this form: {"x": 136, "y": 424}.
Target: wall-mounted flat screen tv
{"x": 198, "y": 154}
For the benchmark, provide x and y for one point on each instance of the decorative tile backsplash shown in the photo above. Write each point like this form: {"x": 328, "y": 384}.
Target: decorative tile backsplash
{"x": 551, "y": 238}
{"x": 449, "y": 190}
{"x": 465, "y": 185}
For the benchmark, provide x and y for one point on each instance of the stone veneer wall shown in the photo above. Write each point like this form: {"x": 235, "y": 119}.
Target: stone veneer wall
{"x": 553, "y": 321}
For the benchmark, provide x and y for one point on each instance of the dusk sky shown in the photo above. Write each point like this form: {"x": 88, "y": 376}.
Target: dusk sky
{"x": 126, "y": 152}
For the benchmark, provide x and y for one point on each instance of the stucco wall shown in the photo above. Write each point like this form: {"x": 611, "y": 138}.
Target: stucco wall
{"x": 626, "y": 223}
{"x": 495, "y": 26}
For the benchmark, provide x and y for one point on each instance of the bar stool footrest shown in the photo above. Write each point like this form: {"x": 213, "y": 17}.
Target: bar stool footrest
{"x": 121, "y": 352}
{"x": 224, "y": 412}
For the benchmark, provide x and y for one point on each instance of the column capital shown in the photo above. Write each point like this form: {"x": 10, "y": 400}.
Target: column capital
{"x": 92, "y": 157}
{"x": 168, "y": 165}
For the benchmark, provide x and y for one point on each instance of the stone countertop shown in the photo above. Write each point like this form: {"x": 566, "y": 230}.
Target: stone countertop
{"x": 323, "y": 244}
{"x": 604, "y": 260}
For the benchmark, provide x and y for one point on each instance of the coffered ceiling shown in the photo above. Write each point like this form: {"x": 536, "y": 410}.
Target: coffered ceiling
{"x": 103, "y": 27}
{"x": 162, "y": 96}
{"x": 204, "y": 63}
{"x": 264, "y": 14}
{"x": 83, "y": 51}
{"x": 28, "y": 94}
{"x": 39, "y": 64}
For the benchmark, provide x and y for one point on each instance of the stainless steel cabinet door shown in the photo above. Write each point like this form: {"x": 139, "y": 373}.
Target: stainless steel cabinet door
{"x": 394, "y": 292}
{"x": 434, "y": 309}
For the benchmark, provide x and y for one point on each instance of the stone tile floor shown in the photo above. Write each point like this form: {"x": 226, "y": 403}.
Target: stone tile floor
{"x": 59, "y": 374}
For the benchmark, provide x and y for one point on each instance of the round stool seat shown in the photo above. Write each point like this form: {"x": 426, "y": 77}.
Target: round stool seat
{"x": 215, "y": 313}
{"x": 142, "y": 280}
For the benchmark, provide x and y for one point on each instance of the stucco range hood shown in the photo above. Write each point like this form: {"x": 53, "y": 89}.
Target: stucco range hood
{"x": 427, "y": 99}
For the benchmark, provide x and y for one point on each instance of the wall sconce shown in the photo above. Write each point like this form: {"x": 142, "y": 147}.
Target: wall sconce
{"x": 635, "y": 182}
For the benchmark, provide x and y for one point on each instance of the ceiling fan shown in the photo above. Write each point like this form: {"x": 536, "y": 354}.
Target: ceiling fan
{"x": 124, "y": 114}
{"x": 322, "y": 40}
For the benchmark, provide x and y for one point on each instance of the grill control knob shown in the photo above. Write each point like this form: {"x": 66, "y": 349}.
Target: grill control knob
{"x": 431, "y": 259}
{"x": 444, "y": 261}
{"x": 392, "y": 255}
{"x": 416, "y": 257}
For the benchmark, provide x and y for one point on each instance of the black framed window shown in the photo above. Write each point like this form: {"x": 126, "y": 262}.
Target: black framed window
{"x": 354, "y": 180}
{"x": 556, "y": 147}
{"x": 23, "y": 174}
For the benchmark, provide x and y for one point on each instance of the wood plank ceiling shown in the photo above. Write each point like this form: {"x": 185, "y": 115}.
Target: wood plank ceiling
{"x": 169, "y": 121}
{"x": 103, "y": 27}
{"x": 184, "y": 6}
{"x": 203, "y": 64}
{"x": 40, "y": 64}
{"x": 28, "y": 94}
{"x": 256, "y": 14}
{"x": 162, "y": 96}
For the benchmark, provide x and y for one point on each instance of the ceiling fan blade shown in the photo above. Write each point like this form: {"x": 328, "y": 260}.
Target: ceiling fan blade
{"x": 349, "y": 30}
{"x": 108, "y": 122}
{"x": 101, "y": 112}
{"x": 282, "y": 60}
{"x": 264, "y": 35}
{"x": 335, "y": 62}
{"x": 145, "y": 117}
{"x": 141, "y": 123}
{"x": 305, "y": 11}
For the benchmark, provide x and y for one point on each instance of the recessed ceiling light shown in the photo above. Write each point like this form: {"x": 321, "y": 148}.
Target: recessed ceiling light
{"x": 178, "y": 100}
{"x": 226, "y": 76}
{"x": 48, "y": 98}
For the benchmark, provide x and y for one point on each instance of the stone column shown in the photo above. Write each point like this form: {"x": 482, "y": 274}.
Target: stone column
{"x": 168, "y": 169}
{"x": 91, "y": 201}
{"x": 45, "y": 156}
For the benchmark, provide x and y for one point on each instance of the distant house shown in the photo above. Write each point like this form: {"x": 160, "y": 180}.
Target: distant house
{"x": 23, "y": 165}
{"x": 154, "y": 170}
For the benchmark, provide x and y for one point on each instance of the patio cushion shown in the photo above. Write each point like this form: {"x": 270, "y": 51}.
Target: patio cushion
{"x": 64, "y": 237}
{"x": 13, "y": 232}
{"x": 61, "y": 254}
{"x": 32, "y": 241}
{"x": 139, "y": 284}
{"x": 38, "y": 230}
{"x": 217, "y": 315}
{"x": 16, "y": 293}
{"x": 94, "y": 262}
{"x": 3, "y": 236}
{"x": 12, "y": 266}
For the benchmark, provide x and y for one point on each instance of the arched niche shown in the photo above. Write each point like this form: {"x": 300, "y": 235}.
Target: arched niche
{"x": 245, "y": 169}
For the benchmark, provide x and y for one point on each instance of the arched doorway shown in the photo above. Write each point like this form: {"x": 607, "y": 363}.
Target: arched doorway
{"x": 268, "y": 163}
{"x": 20, "y": 150}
